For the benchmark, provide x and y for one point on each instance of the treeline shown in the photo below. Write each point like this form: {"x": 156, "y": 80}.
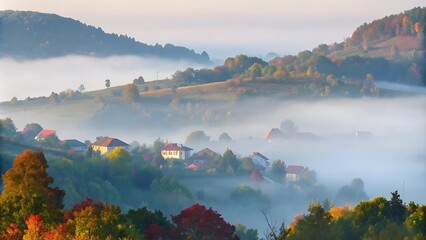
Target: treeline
{"x": 408, "y": 23}
{"x": 39, "y": 35}
{"x": 377, "y": 218}
{"x": 31, "y": 208}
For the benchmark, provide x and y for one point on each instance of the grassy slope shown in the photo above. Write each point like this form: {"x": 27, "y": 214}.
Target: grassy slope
{"x": 382, "y": 48}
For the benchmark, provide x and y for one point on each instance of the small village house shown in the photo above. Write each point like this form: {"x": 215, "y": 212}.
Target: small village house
{"x": 293, "y": 173}
{"x": 75, "y": 145}
{"x": 203, "y": 158}
{"x": 260, "y": 161}
{"x": 273, "y": 134}
{"x": 107, "y": 144}
{"x": 176, "y": 151}
{"x": 43, "y": 134}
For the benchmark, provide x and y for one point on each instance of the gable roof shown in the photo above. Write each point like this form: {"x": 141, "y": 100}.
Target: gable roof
{"x": 74, "y": 143}
{"x": 110, "y": 142}
{"x": 260, "y": 155}
{"x": 45, "y": 133}
{"x": 273, "y": 134}
{"x": 175, "y": 147}
{"x": 294, "y": 169}
{"x": 206, "y": 153}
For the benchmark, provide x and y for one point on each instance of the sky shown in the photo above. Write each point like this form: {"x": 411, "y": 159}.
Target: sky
{"x": 225, "y": 28}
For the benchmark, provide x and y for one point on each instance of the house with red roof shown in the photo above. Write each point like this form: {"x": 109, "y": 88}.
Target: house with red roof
{"x": 272, "y": 134}
{"x": 260, "y": 161}
{"x": 43, "y": 134}
{"x": 176, "y": 151}
{"x": 107, "y": 144}
{"x": 293, "y": 173}
{"x": 203, "y": 158}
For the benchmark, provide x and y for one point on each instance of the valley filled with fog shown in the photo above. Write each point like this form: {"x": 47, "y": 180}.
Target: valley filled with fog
{"x": 392, "y": 158}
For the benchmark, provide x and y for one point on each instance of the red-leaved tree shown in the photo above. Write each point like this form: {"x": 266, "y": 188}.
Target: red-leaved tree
{"x": 197, "y": 222}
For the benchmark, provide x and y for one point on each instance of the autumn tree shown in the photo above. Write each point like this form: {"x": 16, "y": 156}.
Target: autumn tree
{"x": 119, "y": 159}
{"x": 198, "y": 222}
{"x": 95, "y": 220}
{"x": 27, "y": 191}
{"x": 315, "y": 225}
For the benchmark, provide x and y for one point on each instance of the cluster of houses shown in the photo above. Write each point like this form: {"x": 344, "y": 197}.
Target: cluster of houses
{"x": 199, "y": 160}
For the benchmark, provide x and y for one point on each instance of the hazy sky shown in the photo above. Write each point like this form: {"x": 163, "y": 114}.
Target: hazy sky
{"x": 225, "y": 28}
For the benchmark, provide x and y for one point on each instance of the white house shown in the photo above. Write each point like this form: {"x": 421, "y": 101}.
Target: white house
{"x": 176, "y": 151}
{"x": 107, "y": 144}
{"x": 293, "y": 173}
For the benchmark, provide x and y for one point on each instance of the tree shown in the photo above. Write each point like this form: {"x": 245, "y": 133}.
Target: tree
{"x": 245, "y": 233}
{"x": 54, "y": 98}
{"x": 130, "y": 93}
{"x": 316, "y": 225}
{"x": 288, "y": 128}
{"x": 228, "y": 162}
{"x": 95, "y": 220}
{"x": 139, "y": 80}
{"x": 7, "y": 127}
{"x": 144, "y": 177}
{"x": 31, "y": 130}
{"x": 170, "y": 195}
{"x": 278, "y": 170}
{"x": 225, "y": 138}
{"x": 81, "y": 88}
{"x": 198, "y": 137}
{"x": 352, "y": 193}
{"x": 107, "y": 83}
{"x": 246, "y": 195}
{"x": 119, "y": 159}
{"x": 142, "y": 219}
{"x": 197, "y": 222}
{"x": 27, "y": 190}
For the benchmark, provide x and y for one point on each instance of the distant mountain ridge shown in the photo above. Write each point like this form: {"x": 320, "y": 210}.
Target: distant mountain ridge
{"x": 29, "y": 35}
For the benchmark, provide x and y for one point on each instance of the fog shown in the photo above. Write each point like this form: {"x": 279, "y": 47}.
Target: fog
{"x": 394, "y": 158}
{"x": 34, "y": 78}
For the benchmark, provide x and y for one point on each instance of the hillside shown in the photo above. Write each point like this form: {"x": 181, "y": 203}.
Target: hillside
{"x": 39, "y": 35}
{"x": 391, "y": 37}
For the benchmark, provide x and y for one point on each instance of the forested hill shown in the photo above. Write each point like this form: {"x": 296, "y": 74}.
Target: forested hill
{"x": 391, "y": 37}
{"x": 38, "y": 35}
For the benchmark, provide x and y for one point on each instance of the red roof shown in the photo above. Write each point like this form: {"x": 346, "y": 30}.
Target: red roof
{"x": 273, "y": 133}
{"x": 110, "y": 142}
{"x": 175, "y": 147}
{"x": 45, "y": 133}
{"x": 192, "y": 166}
{"x": 206, "y": 153}
{"x": 260, "y": 155}
{"x": 295, "y": 169}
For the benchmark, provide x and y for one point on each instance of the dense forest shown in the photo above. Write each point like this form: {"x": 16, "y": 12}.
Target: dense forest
{"x": 38, "y": 35}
